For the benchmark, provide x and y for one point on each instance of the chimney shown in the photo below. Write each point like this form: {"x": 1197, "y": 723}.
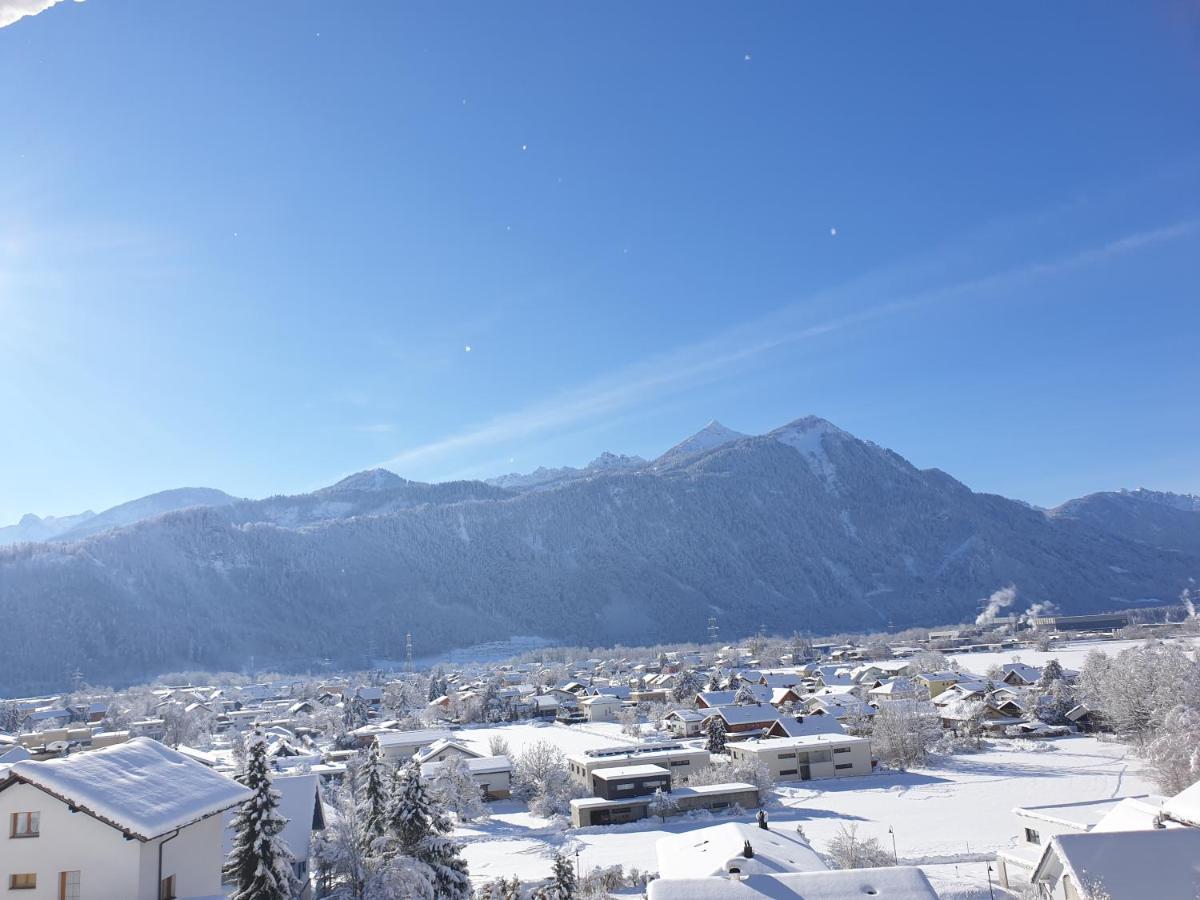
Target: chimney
{"x": 747, "y": 850}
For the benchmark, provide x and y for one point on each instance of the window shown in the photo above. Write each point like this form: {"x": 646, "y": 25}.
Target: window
{"x": 719, "y": 804}
{"x": 68, "y": 885}
{"x": 1032, "y": 837}
{"x": 819, "y": 756}
{"x": 841, "y": 749}
{"x": 166, "y": 891}
{"x": 624, "y": 787}
{"x": 25, "y": 824}
{"x": 844, "y": 766}
{"x": 25, "y": 882}
{"x": 680, "y": 762}
{"x": 787, "y": 755}
{"x": 788, "y": 772}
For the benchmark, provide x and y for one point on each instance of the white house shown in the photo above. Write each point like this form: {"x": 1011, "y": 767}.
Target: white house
{"x": 398, "y": 747}
{"x": 135, "y": 821}
{"x": 603, "y": 708}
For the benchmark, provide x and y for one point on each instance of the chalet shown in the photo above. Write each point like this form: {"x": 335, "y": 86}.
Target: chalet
{"x": 745, "y": 720}
{"x": 1019, "y": 674}
{"x": 685, "y": 722}
{"x": 711, "y": 699}
{"x": 937, "y": 682}
{"x": 798, "y": 726}
{"x": 136, "y": 821}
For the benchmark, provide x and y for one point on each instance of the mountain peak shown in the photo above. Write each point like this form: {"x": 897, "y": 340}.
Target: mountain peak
{"x": 711, "y": 436}
{"x": 607, "y": 461}
{"x": 368, "y": 480}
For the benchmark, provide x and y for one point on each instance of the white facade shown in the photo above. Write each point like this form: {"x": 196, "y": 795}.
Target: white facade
{"x": 807, "y": 757}
{"x": 109, "y": 866}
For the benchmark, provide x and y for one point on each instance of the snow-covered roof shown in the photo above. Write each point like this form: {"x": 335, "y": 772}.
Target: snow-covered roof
{"x": 1131, "y": 865}
{"x": 1080, "y": 815}
{"x": 894, "y": 883}
{"x": 804, "y": 740}
{"x": 810, "y": 725}
{"x": 718, "y": 849}
{"x": 1185, "y": 806}
{"x": 1133, "y": 814}
{"x": 405, "y": 738}
{"x": 140, "y": 786}
{"x": 617, "y": 772}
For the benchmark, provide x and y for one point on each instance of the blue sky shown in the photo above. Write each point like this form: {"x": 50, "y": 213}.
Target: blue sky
{"x": 245, "y": 245}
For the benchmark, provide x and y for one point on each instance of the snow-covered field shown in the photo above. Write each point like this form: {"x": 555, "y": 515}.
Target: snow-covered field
{"x": 569, "y": 739}
{"x": 1070, "y": 655}
{"x": 950, "y": 818}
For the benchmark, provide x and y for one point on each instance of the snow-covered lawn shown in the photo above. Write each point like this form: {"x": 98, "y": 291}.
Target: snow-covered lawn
{"x": 950, "y": 817}
{"x": 1070, "y": 655}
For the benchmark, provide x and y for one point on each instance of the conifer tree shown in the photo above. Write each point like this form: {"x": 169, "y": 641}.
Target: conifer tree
{"x": 374, "y": 797}
{"x": 714, "y": 727}
{"x": 260, "y": 864}
{"x": 420, "y": 830}
{"x": 565, "y": 884}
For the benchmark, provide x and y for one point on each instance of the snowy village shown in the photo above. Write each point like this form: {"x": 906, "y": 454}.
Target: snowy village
{"x": 1055, "y": 761}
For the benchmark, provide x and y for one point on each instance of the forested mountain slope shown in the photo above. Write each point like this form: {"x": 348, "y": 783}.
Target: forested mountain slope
{"x": 806, "y": 527}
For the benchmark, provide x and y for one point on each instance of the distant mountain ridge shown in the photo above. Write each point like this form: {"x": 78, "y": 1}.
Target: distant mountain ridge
{"x": 804, "y": 528}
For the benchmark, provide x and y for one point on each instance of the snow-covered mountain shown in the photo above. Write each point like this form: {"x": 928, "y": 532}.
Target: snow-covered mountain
{"x": 542, "y": 477}
{"x": 1153, "y": 517}
{"x": 710, "y": 437}
{"x": 73, "y": 528}
{"x": 35, "y": 528}
{"x": 804, "y": 527}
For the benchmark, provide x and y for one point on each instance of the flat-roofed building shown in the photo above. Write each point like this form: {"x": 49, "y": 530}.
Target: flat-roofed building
{"x": 680, "y": 761}
{"x": 808, "y": 756}
{"x": 715, "y": 797}
{"x": 622, "y": 782}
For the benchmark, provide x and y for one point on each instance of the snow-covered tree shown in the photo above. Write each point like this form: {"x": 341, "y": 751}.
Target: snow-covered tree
{"x": 565, "y": 884}
{"x": 687, "y": 686}
{"x": 497, "y": 745}
{"x": 540, "y": 776}
{"x": 903, "y": 731}
{"x": 374, "y": 796}
{"x": 745, "y": 696}
{"x": 260, "y": 864}
{"x": 420, "y": 830}
{"x": 455, "y": 789}
{"x": 1051, "y": 672}
{"x": 1173, "y": 756}
{"x": 714, "y": 729}
{"x": 662, "y": 804}
{"x": 848, "y": 851}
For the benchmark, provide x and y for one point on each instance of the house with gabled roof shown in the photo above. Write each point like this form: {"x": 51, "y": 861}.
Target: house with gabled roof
{"x": 135, "y": 821}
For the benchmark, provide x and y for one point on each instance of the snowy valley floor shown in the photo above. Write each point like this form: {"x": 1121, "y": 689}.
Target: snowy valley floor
{"x": 949, "y": 818}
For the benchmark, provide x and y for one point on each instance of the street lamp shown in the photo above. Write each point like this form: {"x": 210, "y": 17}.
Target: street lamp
{"x": 895, "y": 856}
{"x": 991, "y": 893}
